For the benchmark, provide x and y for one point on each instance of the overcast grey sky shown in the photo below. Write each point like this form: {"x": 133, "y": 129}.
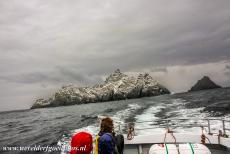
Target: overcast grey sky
{"x": 47, "y": 44}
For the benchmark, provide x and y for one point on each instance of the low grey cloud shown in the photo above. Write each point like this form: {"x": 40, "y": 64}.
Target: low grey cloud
{"x": 159, "y": 69}
{"x": 227, "y": 67}
{"x": 63, "y": 75}
{"x": 28, "y": 78}
{"x": 46, "y": 44}
{"x": 227, "y": 72}
{"x": 72, "y": 75}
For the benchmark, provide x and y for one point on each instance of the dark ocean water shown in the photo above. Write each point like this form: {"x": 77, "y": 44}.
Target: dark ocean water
{"x": 47, "y": 126}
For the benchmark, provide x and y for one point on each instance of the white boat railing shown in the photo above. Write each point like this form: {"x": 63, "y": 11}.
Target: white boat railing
{"x": 166, "y": 124}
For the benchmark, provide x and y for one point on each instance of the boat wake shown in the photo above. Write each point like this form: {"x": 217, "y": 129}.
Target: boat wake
{"x": 150, "y": 119}
{"x": 181, "y": 119}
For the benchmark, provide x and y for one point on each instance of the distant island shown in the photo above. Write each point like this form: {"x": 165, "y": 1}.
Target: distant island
{"x": 117, "y": 86}
{"x": 204, "y": 83}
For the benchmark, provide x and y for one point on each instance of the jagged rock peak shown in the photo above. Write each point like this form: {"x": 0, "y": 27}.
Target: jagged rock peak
{"x": 204, "y": 83}
{"x": 145, "y": 75}
{"x": 115, "y": 76}
{"x": 117, "y": 71}
{"x": 118, "y": 86}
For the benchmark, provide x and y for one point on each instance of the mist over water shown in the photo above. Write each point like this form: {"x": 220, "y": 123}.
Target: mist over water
{"x": 49, "y": 126}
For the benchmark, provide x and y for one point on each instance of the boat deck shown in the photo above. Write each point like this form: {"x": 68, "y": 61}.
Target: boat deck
{"x": 144, "y": 149}
{"x": 216, "y": 142}
{"x": 141, "y": 144}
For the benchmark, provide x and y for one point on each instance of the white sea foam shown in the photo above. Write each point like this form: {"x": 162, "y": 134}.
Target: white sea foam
{"x": 193, "y": 123}
{"x": 146, "y": 120}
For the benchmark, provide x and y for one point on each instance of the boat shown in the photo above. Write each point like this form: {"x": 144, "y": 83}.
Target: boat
{"x": 205, "y": 141}
{"x": 170, "y": 142}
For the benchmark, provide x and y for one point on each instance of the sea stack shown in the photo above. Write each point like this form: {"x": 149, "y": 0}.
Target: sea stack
{"x": 203, "y": 84}
{"x": 117, "y": 86}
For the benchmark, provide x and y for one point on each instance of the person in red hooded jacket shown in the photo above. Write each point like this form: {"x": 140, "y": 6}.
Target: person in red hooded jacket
{"x": 82, "y": 143}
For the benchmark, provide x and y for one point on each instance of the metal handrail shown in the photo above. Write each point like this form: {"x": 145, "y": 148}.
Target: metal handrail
{"x": 224, "y": 129}
{"x": 168, "y": 119}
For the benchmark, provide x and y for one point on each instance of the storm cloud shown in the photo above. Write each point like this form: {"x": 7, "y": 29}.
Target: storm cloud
{"x": 47, "y": 44}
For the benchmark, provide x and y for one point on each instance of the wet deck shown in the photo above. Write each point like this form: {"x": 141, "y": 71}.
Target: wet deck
{"x": 134, "y": 149}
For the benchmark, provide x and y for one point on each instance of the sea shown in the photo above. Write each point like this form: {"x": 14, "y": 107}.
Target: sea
{"x": 53, "y": 127}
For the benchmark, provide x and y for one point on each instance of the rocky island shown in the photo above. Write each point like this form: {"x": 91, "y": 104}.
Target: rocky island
{"x": 117, "y": 86}
{"x": 204, "y": 83}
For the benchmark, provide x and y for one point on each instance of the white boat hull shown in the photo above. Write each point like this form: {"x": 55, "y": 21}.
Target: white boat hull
{"x": 142, "y": 144}
{"x": 188, "y": 148}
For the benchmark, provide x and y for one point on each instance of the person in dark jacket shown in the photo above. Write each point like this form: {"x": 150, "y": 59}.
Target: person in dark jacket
{"x": 108, "y": 141}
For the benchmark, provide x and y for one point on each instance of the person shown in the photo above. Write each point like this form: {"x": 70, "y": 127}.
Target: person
{"x": 82, "y": 143}
{"x": 106, "y": 140}
{"x": 119, "y": 138}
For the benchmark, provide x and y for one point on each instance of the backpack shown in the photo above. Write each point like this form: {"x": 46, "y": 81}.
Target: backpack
{"x": 119, "y": 139}
{"x": 97, "y": 138}
{"x": 82, "y": 143}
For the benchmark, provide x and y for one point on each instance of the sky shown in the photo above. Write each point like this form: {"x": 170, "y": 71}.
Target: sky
{"x": 47, "y": 44}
